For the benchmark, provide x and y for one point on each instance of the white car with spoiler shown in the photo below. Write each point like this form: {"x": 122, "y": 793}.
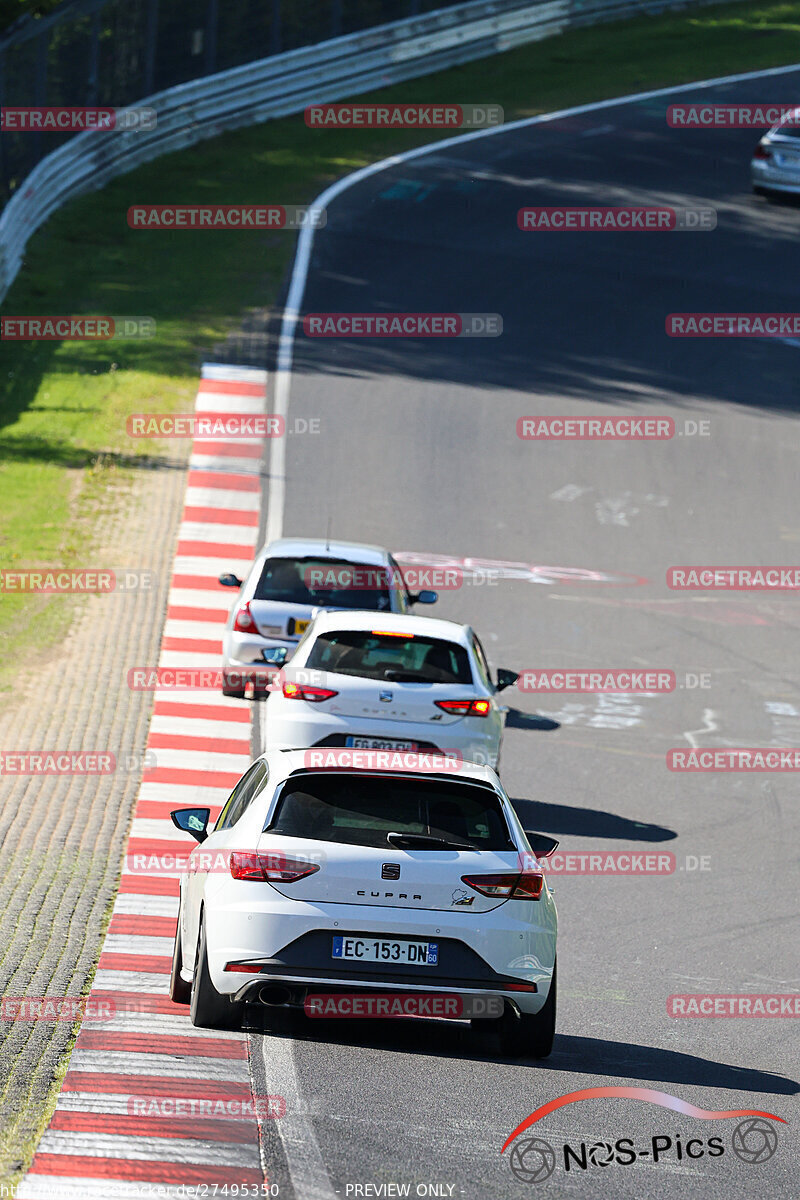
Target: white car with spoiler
{"x": 291, "y": 580}
{"x": 341, "y": 882}
{"x": 371, "y": 682}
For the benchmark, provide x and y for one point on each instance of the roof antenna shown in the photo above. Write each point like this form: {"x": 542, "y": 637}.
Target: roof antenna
{"x": 328, "y": 535}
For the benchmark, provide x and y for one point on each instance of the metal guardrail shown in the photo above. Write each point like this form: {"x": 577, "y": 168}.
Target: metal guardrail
{"x": 285, "y": 84}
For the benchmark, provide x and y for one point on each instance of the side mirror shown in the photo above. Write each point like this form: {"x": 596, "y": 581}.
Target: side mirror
{"x": 541, "y": 845}
{"x": 275, "y": 655}
{"x": 193, "y": 821}
{"x": 505, "y": 678}
{"x": 424, "y": 597}
{"x": 230, "y": 580}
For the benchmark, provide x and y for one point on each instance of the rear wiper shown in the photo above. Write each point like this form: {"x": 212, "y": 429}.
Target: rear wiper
{"x": 394, "y": 676}
{"x": 427, "y": 839}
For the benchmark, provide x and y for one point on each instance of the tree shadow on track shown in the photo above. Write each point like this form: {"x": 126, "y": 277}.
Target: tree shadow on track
{"x": 587, "y": 822}
{"x": 595, "y": 1057}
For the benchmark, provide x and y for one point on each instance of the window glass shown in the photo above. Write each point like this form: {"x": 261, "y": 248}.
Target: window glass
{"x": 483, "y": 666}
{"x": 361, "y": 810}
{"x": 245, "y": 791}
{"x": 398, "y": 658}
{"x": 324, "y": 583}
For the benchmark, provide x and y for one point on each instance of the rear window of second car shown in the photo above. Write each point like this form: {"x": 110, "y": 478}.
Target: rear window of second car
{"x": 361, "y": 809}
{"x": 392, "y": 657}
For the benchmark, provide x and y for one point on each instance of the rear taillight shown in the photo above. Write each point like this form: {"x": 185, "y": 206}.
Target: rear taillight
{"x": 244, "y": 620}
{"x": 762, "y": 151}
{"x": 269, "y": 868}
{"x": 465, "y": 708}
{"x": 301, "y": 691}
{"x": 525, "y": 886}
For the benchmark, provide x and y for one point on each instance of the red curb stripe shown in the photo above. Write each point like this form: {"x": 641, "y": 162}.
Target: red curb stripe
{"x": 237, "y": 449}
{"x": 235, "y": 550}
{"x": 179, "y": 612}
{"x": 230, "y": 481}
{"x": 221, "y": 779}
{"x": 182, "y": 741}
{"x": 154, "y": 1043}
{"x": 143, "y": 925}
{"x": 89, "y": 1167}
{"x": 202, "y": 1129}
{"x": 107, "y": 1083}
{"x": 205, "y": 712}
{"x": 192, "y": 645}
{"x": 150, "y": 964}
{"x": 207, "y": 583}
{"x": 235, "y": 387}
{"x": 229, "y": 516}
{"x": 149, "y": 885}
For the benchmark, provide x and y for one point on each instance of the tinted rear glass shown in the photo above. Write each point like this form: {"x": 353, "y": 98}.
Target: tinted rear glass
{"x": 389, "y": 657}
{"x": 360, "y": 810}
{"x": 314, "y": 581}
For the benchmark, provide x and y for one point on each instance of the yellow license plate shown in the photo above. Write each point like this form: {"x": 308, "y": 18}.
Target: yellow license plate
{"x": 301, "y": 626}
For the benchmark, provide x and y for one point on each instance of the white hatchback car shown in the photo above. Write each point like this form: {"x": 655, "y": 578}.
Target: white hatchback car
{"x": 330, "y": 881}
{"x": 368, "y": 681}
{"x": 291, "y": 580}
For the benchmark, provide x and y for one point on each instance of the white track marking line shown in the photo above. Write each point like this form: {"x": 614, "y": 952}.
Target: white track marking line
{"x": 303, "y": 1156}
{"x": 709, "y": 726}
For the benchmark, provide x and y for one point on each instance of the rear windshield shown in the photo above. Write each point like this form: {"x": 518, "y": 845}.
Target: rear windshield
{"x": 360, "y": 810}
{"x": 324, "y": 583}
{"x": 401, "y": 659}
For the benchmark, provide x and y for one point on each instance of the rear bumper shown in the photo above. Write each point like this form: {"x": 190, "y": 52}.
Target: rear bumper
{"x": 765, "y": 174}
{"x": 294, "y": 724}
{"x": 290, "y": 941}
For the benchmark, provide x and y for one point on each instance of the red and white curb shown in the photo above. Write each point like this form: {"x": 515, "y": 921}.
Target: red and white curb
{"x": 139, "y": 1114}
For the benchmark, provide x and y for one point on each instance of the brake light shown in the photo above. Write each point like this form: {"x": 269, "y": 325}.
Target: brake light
{"x": 390, "y": 633}
{"x": 244, "y": 621}
{"x": 301, "y": 691}
{"x": 762, "y": 151}
{"x": 525, "y": 886}
{"x": 269, "y": 868}
{"x": 465, "y": 708}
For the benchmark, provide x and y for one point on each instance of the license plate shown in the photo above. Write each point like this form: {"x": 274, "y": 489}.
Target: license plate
{"x": 301, "y": 626}
{"x": 369, "y": 743}
{"x": 418, "y": 954}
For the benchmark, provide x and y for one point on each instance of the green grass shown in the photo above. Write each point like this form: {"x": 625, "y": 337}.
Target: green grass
{"x": 63, "y": 448}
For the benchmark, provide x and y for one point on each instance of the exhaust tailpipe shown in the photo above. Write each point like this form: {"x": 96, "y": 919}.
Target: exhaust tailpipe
{"x": 275, "y": 994}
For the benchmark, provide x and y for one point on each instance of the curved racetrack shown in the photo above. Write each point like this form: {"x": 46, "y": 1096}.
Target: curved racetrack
{"x": 419, "y": 452}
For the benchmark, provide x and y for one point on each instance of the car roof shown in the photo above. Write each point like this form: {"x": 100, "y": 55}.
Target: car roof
{"x": 283, "y": 763}
{"x": 321, "y": 548}
{"x": 449, "y": 631}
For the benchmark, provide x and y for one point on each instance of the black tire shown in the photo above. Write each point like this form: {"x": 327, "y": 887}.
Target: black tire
{"x": 179, "y": 990}
{"x": 207, "y": 1008}
{"x": 530, "y": 1035}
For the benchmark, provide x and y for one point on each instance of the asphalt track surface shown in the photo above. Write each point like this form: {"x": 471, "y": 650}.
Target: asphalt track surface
{"x": 419, "y": 452}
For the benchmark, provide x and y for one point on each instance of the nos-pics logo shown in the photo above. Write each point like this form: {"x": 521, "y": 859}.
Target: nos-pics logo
{"x": 533, "y": 1160}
